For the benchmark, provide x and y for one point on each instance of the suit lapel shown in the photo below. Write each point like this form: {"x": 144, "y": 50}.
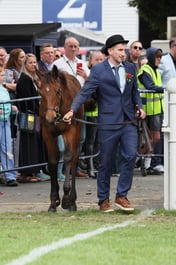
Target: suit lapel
{"x": 127, "y": 70}
{"x": 110, "y": 72}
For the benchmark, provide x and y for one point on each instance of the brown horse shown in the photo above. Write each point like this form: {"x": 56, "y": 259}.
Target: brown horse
{"x": 57, "y": 90}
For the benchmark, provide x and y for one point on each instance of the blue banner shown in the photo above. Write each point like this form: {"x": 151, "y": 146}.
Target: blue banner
{"x": 74, "y": 13}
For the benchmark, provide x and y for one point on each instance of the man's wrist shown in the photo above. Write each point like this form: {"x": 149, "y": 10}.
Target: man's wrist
{"x": 71, "y": 110}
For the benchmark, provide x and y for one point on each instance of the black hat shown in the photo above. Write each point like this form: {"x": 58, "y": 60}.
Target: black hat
{"x": 113, "y": 40}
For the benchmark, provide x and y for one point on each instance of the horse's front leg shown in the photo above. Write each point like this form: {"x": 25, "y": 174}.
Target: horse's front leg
{"x": 54, "y": 193}
{"x": 72, "y": 140}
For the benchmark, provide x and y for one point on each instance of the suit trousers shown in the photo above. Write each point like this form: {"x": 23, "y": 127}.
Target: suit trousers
{"x": 127, "y": 136}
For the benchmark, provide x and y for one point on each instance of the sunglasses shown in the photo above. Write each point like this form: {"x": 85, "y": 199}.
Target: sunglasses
{"x": 136, "y": 47}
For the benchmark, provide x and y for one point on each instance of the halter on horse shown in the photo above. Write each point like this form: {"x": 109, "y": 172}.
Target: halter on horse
{"x": 57, "y": 90}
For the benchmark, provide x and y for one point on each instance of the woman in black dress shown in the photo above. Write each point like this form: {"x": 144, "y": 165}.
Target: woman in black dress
{"x": 31, "y": 147}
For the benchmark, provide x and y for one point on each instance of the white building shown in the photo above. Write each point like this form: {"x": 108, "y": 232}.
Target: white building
{"x": 115, "y": 15}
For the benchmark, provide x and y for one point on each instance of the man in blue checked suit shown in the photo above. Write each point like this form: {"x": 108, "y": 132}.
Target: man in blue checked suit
{"x": 116, "y": 107}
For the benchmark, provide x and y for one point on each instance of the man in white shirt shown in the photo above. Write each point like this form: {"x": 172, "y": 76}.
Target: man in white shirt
{"x": 69, "y": 61}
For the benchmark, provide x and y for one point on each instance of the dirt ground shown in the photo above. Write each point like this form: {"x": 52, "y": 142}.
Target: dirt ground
{"x": 146, "y": 193}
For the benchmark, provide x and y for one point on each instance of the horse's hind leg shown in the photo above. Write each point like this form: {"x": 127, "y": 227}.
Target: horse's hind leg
{"x": 66, "y": 186}
{"x": 73, "y": 194}
{"x": 54, "y": 194}
{"x": 71, "y": 159}
{"x": 70, "y": 196}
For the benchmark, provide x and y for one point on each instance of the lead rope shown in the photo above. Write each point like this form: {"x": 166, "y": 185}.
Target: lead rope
{"x": 67, "y": 61}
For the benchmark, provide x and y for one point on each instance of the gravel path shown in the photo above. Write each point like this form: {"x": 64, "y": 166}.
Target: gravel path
{"x": 146, "y": 192}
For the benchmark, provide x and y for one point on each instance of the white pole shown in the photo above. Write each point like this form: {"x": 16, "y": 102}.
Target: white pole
{"x": 169, "y": 129}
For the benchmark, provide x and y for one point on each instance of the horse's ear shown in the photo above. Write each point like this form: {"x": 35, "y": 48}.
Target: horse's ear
{"x": 59, "y": 74}
{"x": 54, "y": 72}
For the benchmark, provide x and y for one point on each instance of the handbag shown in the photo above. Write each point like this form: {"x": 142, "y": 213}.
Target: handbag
{"x": 29, "y": 122}
{"x": 145, "y": 138}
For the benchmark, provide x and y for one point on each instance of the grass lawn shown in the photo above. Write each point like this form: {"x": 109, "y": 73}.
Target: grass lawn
{"x": 149, "y": 240}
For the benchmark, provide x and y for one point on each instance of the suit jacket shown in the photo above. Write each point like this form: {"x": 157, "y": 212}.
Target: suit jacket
{"x": 167, "y": 69}
{"x": 113, "y": 106}
{"x": 42, "y": 67}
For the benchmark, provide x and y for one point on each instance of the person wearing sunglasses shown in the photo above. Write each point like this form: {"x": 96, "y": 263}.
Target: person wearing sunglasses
{"x": 135, "y": 51}
{"x": 149, "y": 78}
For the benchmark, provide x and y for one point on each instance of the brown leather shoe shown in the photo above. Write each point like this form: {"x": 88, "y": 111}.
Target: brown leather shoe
{"x": 124, "y": 204}
{"x": 80, "y": 174}
{"x": 106, "y": 207}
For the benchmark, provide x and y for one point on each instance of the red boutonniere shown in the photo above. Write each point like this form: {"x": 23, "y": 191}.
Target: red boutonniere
{"x": 128, "y": 77}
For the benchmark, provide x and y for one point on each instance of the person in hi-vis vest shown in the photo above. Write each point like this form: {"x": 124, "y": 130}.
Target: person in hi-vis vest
{"x": 149, "y": 78}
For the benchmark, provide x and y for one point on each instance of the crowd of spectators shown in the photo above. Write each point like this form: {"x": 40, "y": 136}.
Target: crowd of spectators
{"x": 18, "y": 80}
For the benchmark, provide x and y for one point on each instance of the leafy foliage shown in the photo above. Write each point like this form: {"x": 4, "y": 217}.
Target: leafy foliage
{"x": 155, "y": 13}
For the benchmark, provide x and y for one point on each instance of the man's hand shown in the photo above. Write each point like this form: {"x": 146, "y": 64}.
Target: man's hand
{"x": 14, "y": 108}
{"x": 68, "y": 116}
{"x": 82, "y": 73}
{"x": 142, "y": 114}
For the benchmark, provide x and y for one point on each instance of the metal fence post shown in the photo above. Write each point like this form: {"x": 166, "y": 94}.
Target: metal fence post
{"x": 169, "y": 129}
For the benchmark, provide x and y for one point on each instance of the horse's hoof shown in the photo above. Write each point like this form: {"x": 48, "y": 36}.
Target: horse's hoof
{"x": 57, "y": 203}
{"x": 65, "y": 203}
{"x": 52, "y": 210}
{"x": 72, "y": 208}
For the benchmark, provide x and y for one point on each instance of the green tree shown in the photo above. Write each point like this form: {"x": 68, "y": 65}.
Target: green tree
{"x": 155, "y": 13}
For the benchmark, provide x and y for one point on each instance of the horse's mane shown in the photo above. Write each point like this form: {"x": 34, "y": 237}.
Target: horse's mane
{"x": 65, "y": 80}
{"x": 51, "y": 76}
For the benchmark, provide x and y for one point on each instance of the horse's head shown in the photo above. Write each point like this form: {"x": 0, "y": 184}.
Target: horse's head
{"x": 51, "y": 88}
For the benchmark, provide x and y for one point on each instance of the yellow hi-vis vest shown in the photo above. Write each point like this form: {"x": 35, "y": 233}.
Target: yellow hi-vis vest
{"x": 152, "y": 103}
